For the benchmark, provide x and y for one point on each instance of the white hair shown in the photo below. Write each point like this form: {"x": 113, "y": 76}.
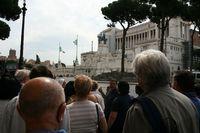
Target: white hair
{"x": 22, "y": 74}
{"x": 152, "y": 67}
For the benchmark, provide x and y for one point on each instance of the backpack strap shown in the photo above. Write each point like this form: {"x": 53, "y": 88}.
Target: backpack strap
{"x": 152, "y": 114}
{"x": 99, "y": 130}
{"x": 97, "y": 110}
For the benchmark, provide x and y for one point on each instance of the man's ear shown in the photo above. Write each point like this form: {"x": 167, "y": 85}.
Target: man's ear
{"x": 60, "y": 112}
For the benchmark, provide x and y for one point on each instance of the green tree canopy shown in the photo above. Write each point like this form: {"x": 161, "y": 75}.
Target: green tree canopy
{"x": 4, "y": 30}
{"x": 162, "y": 11}
{"x": 9, "y": 10}
{"x": 127, "y": 13}
{"x": 192, "y": 13}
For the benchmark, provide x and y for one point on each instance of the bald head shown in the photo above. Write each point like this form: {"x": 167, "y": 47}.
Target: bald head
{"x": 40, "y": 95}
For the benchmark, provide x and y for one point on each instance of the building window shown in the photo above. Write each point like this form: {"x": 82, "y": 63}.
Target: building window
{"x": 135, "y": 38}
{"x": 181, "y": 29}
{"x": 145, "y": 35}
{"x": 154, "y": 33}
{"x": 116, "y": 43}
{"x": 126, "y": 42}
{"x": 131, "y": 41}
{"x": 167, "y": 31}
{"x": 151, "y": 34}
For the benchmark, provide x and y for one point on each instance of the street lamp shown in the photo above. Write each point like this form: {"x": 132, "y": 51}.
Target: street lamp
{"x": 21, "y": 60}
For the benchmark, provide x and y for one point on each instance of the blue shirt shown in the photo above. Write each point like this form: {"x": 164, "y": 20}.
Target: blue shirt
{"x": 195, "y": 100}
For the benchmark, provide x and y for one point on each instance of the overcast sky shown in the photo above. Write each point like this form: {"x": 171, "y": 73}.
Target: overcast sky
{"x": 49, "y": 22}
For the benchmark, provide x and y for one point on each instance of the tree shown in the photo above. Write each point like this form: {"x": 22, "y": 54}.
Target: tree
{"x": 4, "y": 30}
{"x": 127, "y": 13}
{"x": 162, "y": 11}
{"x": 191, "y": 13}
{"x": 9, "y": 10}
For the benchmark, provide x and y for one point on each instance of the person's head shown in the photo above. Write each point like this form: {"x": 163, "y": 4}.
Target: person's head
{"x": 22, "y": 75}
{"x": 123, "y": 87}
{"x": 61, "y": 81}
{"x": 152, "y": 69}
{"x": 183, "y": 81}
{"x": 94, "y": 85}
{"x": 138, "y": 90}
{"x": 82, "y": 85}
{"x": 112, "y": 84}
{"x": 40, "y": 71}
{"x": 42, "y": 103}
{"x": 69, "y": 90}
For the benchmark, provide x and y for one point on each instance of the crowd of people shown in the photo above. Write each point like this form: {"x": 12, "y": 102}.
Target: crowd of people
{"x": 39, "y": 103}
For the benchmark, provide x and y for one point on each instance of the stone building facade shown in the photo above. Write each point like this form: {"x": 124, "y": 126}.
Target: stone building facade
{"x": 139, "y": 38}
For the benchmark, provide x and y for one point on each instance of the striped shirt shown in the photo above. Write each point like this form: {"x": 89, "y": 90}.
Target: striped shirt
{"x": 83, "y": 116}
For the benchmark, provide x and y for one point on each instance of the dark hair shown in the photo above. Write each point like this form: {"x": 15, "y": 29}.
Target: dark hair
{"x": 94, "y": 85}
{"x": 9, "y": 86}
{"x": 138, "y": 90}
{"x": 69, "y": 90}
{"x": 123, "y": 87}
{"x": 40, "y": 71}
{"x": 113, "y": 80}
{"x": 184, "y": 79}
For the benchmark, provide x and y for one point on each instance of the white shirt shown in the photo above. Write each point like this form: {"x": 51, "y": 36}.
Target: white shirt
{"x": 12, "y": 122}
{"x": 100, "y": 99}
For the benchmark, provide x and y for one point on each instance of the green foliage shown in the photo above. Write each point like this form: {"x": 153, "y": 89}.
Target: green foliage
{"x": 4, "y": 30}
{"x": 165, "y": 9}
{"x": 127, "y": 13}
{"x": 9, "y": 10}
{"x": 162, "y": 11}
{"x": 192, "y": 12}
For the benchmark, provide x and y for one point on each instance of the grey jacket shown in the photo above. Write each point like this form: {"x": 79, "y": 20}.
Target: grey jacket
{"x": 177, "y": 111}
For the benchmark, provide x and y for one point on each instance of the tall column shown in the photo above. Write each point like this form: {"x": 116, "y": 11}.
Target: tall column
{"x": 21, "y": 58}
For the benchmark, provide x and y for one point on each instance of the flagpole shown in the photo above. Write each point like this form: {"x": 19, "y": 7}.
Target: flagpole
{"x": 59, "y": 55}
{"x": 77, "y": 50}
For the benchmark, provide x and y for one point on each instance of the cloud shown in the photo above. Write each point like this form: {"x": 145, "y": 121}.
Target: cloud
{"x": 50, "y": 22}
